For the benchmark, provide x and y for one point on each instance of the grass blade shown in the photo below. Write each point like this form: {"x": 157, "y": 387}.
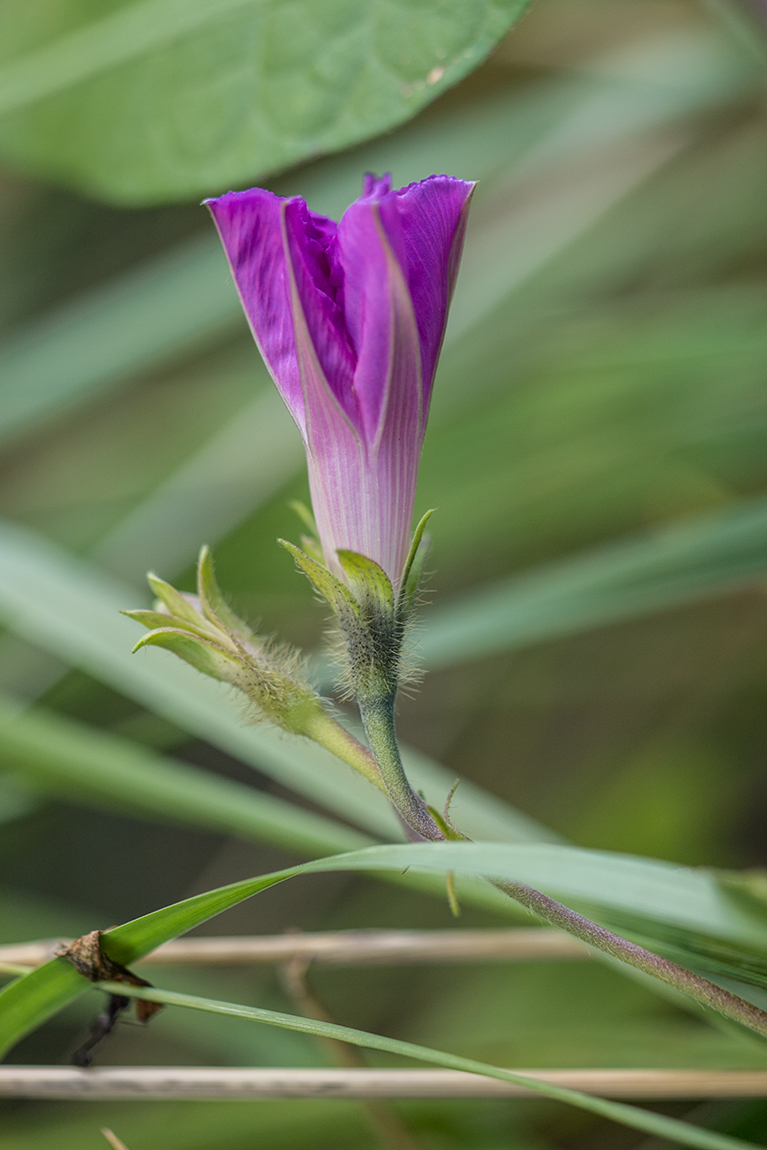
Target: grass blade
{"x": 633, "y": 1116}
{"x": 178, "y": 301}
{"x": 649, "y": 890}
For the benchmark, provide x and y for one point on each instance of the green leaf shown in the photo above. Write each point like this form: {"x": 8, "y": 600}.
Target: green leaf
{"x": 179, "y": 300}
{"x": 695, "y": 559}
{"x": 28, "y": 1001}
{"x": 650, "y": 890}
{"x": 652, "y": 886}
{"x": 16, "y": 800}
{"x": 231, "y": 89}
{"x": 634, "y": 1117}
{"x": 185, "y": 297}
{"x": 244, "y": 463}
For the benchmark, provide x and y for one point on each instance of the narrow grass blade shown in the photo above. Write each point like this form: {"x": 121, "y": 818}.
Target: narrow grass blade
{"x": 649, "y": 890}
{"x": 658, "y": 1125}
{"x": 178, "y": 301}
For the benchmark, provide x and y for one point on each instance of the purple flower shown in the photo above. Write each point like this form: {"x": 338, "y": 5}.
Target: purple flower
{"x": 349, "y": 318}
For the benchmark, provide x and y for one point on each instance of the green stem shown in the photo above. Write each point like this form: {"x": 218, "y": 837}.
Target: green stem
{"x": 378, "y": 719}
{"x": 324, "y": 729}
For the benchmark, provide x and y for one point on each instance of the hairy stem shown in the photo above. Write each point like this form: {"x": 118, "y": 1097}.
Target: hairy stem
{"x": 694, "y": 985}
{"x": 378, "y": 719}
{"x": 324, "y": 729}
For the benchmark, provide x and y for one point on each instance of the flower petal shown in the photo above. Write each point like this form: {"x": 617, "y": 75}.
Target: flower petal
{"x": 430, "y": 217}
{"x": 310, "y": 246}
{"x": 249, "y": 224}
{"x": 261, "y": 233}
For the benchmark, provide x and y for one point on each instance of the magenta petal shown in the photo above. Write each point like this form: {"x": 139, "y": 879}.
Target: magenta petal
{"x": 317, "y": 281}
{"x": 380, "y": 321}
{"x": 431, "y": 220}
{"x": 350, "y": 320}
{"x": 250, "y": 227}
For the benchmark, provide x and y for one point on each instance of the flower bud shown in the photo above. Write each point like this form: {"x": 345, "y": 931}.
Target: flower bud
{"x": 203, "y": 631}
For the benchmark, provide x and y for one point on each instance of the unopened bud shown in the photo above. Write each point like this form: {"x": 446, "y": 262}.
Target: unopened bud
{"x": 204, "y": 631}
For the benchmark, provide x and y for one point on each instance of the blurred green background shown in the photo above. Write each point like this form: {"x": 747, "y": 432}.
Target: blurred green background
{"x": 595, "y": 640}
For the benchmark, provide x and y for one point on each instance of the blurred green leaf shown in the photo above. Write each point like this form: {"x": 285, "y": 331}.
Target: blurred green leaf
{"x": 695, "y": 559}
{"x": 230, "y": 89}
{"x": 16, "y": 800}
{"x": 67, "y": 607}
{"x": 179, "y": 300}
{"x": 80, "y": 762}
{"x": 186, "y": 296}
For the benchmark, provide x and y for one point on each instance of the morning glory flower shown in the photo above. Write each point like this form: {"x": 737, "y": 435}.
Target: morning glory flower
{"x": 349, "y": 318}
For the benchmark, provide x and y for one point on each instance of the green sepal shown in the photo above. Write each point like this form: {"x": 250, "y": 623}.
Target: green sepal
{"x": 202, "y": 654}
{"x": 411, "y": 574}
{"x": 159, "y": 619}
{"x": 173, "y": 600}
{"x": 339, "y": 597}
{"x": 214, "y": 605}
{"x": 369, "y": 581}
{"x": 305, "y": 515}
{"x": 310, "y": 543}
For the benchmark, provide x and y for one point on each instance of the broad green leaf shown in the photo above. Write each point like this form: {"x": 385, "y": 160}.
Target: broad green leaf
{"x": 647, "y": 889}
{"x": 230, "y": 90}
{"x": 696, "y": 559}
{"x": 80, "y": 762}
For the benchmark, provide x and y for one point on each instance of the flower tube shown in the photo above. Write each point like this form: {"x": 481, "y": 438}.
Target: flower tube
{"x": 349, "y": 318}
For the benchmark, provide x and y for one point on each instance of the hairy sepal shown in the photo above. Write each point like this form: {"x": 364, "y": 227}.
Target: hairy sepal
{"x": 204, "y": 631}
{"x": 411, "y": 575}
